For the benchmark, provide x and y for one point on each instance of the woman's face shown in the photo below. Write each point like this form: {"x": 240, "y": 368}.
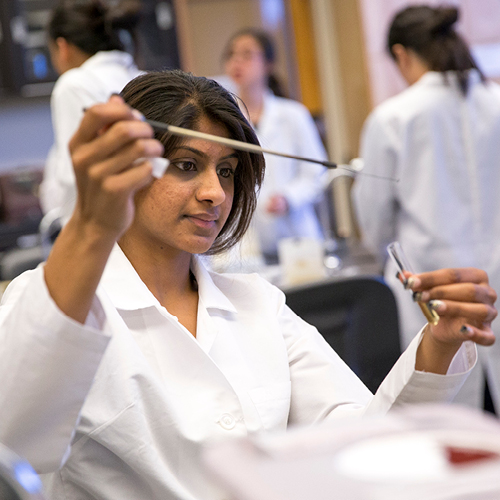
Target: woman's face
{"x": 185, "y": 210}
{"x": 246, "y": 63}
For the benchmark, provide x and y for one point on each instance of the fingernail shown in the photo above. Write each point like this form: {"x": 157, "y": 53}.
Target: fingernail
{"x": 421, "y": 296}
{"x": 436, "y": 305}
{"x": 401, "y": 278}
{"x": 466, "y": 330}
{"x": 138, "y": 114}
{"x": 412, "y": 282}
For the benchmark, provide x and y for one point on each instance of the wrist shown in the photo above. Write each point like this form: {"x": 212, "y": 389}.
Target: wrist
{"x": 434, "y": 355}
{"x": 90, "y": 234}
{"x": 75, "y": 266}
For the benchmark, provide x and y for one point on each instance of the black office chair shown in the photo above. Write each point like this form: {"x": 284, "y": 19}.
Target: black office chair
{"x": 15, "y": 261}
{"x": 358, "y": 317}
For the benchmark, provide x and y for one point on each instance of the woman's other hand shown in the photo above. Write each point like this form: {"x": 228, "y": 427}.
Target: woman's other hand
{"x": 464, "y": 302}
{"x": 277, "y": 205}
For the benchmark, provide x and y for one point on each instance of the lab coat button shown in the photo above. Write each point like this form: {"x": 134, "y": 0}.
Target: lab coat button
{"x": 227, "y": 421}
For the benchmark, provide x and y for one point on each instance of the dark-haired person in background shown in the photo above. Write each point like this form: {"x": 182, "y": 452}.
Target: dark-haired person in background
{"x": 441, "y": 138}
{"x": 285, "y": 206}
{"x": 87, "y": 42}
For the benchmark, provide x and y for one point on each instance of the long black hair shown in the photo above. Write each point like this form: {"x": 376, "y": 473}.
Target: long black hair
{"x": 430, "y": 33}
{"x": 181, "y": 99}
{"x": 92, "y": 25}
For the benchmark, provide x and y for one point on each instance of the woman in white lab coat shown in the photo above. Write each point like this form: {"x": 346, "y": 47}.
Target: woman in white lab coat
{"x": 88, "y": 41}
{"x": 123, "y": 356}
{"x": 440, "y": 138}
{"x": 285, "y": 207}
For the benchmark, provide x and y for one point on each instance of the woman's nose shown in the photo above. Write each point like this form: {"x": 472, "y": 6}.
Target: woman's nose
{"x": 210, "y": 188}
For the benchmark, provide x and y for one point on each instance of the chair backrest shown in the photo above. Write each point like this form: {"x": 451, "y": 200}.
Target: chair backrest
{"x": 358, "y": 317}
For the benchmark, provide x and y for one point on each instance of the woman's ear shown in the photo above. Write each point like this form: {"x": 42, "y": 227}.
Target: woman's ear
{"x": 410, "y": 64}
{"x": 67, "y": 56}
{"x": 63, "y": 48}
{"x": 404, "y": 61}
{"x": 59, "y": 54}
{"x": 400, "y": 54}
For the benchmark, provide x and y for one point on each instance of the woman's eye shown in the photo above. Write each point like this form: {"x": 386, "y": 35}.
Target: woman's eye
{"x": 184, "y": 165}
{"x": 226, "y": 172}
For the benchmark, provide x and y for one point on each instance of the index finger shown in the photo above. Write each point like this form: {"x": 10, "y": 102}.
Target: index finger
{"x": 99, "y": 116}
{"x": 425, "y": 281}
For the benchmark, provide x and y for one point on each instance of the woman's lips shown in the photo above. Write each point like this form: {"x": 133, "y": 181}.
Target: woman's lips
{"x": 205, "y": 221}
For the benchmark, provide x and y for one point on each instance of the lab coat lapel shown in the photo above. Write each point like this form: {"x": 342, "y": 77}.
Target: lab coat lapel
{"x": 126, "y": 378}
{"x": 269, "y": 121}
{"x": 131, "y": 297}
{"x": 211, "y": 301}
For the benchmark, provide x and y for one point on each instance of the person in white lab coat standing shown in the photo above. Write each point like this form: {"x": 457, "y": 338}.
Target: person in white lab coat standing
{"x": 122, "y": 356}
{"x": 285, "y": 207}
{"x": 87, "y": 42}
{"x": 441, "y": 138}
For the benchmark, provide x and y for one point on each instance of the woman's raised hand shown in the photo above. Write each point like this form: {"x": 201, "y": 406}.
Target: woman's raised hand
{"x": 106, "y": 152}
{"x": 465, "y": 303}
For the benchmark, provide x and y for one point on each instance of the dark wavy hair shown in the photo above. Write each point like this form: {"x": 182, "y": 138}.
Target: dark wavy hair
{"x": 92, "y": 25}
{"x": 430, "y": 33}
{"x": 181, "y": 99}
{"x": 267, "y": 45}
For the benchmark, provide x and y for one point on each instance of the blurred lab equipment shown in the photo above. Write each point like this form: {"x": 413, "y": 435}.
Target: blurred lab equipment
{"x": 434, "y": 452}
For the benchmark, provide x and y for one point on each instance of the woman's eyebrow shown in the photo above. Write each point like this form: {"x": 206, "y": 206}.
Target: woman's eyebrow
{"x": 232, "y": 155}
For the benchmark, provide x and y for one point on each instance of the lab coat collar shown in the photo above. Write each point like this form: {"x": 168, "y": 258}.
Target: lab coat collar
{"x": 128, "y": 292}
{"x": 439, "y": 78}
{"x": 211, "y": 296}
{"x": 268, "y": 116}
{"x": 109, "y": 57}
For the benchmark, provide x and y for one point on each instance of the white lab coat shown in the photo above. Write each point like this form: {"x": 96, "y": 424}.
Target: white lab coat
{"x": 94, "y": 81}
{"x": 287, "y": 126}
{"x": 123, "y": 405}
{"x": 445, "y": 209}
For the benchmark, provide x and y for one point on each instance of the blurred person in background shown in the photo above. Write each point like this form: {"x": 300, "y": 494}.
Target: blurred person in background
{"x": 441, "y": 139}
{"x": 87, "y": 41}
{"x": 285, "y": 206}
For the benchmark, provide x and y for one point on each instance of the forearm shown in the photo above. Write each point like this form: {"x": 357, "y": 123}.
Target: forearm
{"x": 433, "y": 356}
{"x": 406, "y": 385}
{"x": 75, "y": 266}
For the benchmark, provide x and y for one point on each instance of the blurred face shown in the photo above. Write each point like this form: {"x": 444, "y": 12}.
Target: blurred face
{"x": 245, "y": 63}
{"x": 185, "y": 210}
